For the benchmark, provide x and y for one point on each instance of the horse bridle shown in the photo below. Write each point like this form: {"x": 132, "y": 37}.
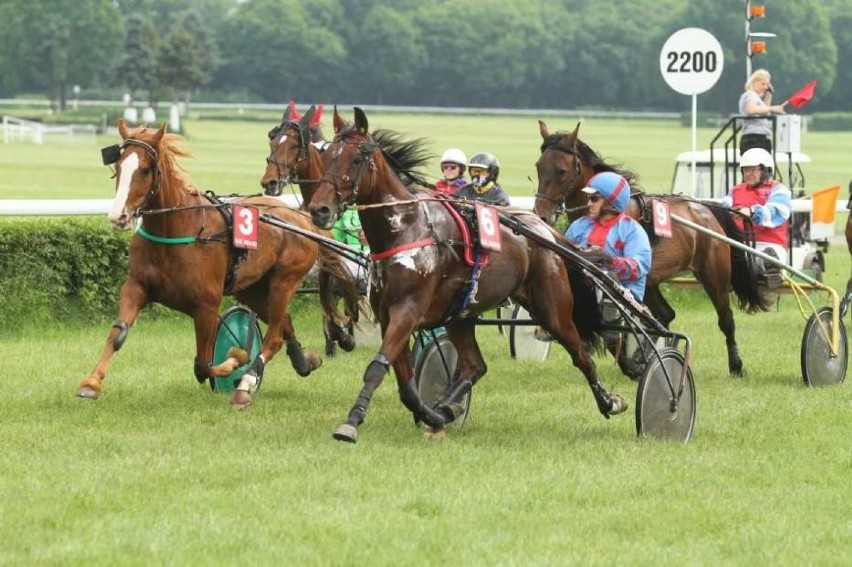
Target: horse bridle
{"x": 561, "y": 206}
{"x": 112, "y": 154}
{"x": 365, "y": 150}
{"x": 289, "y": 174}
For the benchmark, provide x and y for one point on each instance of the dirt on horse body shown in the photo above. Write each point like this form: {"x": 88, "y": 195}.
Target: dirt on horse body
{"x": 182, "y": 257}
{"x": 566, "y": 165}
{"x": 421, "y": 279}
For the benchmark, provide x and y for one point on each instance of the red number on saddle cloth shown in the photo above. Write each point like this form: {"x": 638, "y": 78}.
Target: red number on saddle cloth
{"x": 245, "y": 227}
{"x": 662, "y": 218}
{"x": 489, "y": 227}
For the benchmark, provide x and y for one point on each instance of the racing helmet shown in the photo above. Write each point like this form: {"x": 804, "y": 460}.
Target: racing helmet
{"x": 756, "y": 156}
{"x": 486, "y": 161}
{"x": 613, "y": 187}
{"x": 456, "y": 156}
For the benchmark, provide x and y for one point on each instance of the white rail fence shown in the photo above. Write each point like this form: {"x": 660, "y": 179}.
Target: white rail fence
{"x": 21, "y": 130}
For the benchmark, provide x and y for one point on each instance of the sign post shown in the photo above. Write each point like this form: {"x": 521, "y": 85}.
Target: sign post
{"x": 691, "y": 62}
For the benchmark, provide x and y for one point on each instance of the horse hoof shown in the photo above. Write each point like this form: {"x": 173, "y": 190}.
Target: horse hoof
{"x": 434, "y": 434}
{"x": 346, "y": 341}
{"x": 240, "y": 400}
{"x": 313, "y": 359}
{"x": 346, "y": 432}
{"x": 619, "y": 405}
{"x": 88, "y": 392}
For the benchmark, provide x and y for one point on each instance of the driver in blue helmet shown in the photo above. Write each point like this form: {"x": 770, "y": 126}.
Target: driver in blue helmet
{"x": 623, "y": 245}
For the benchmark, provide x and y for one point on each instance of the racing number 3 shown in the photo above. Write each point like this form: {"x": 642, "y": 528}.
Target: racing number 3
{"x": 245, "y": 227}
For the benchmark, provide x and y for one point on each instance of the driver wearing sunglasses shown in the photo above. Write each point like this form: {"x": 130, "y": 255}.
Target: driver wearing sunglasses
{"x": 619, "y": 243}
{"x": 453, "y": 165}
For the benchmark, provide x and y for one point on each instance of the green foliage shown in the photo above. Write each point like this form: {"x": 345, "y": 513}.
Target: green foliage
{"x": 58, "y": 269}
{"x": 831, "y": 121}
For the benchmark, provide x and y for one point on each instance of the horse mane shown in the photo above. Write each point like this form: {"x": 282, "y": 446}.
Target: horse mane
{"x": 558, "y": 141}
{"x": 169, "y": 149}
{"x": 406, "y": 157}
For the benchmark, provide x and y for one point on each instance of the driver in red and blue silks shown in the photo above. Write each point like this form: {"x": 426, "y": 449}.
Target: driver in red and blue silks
{"x": 608, "y": 230}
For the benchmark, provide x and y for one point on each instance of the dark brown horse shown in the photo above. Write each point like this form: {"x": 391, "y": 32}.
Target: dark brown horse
{"x": 566, "y": 165}
{"x": 422, "y": 278}
{"x": 182, "y": 257}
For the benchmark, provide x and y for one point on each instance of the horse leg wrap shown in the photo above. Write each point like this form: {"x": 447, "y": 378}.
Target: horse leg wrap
{"x": 454, "y": 393}
{"x": 201, "y": 370}
{"x": 373, "y": 377}
{"x": 255, "y": 374}
{"x": 410, "y": 399}
{"x": 297, "y": 358}
{"x": 122, "y": 334}
{"x": 603, "y": 398}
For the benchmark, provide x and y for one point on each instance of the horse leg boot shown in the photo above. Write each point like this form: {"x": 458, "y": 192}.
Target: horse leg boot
{"x": 373, "y": 377}
{"x": 448, "y": 404}
{"x": 249, "y": 383}
{"x": 410, "y": 399}
{"x": 607, "y": 404}
{"x": 303, "y": 362}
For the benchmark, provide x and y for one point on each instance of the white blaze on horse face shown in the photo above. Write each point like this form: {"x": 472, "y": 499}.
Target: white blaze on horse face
{"x": 117, "y": 213}
{"x": 282, "y": 139}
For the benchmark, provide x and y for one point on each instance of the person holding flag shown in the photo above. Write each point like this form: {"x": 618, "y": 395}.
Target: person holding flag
{"x": 755, "y": 104}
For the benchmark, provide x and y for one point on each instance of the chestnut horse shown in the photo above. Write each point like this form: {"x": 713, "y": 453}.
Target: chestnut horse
{"x": 422, "y": 279}
{"x": 566, "y": 165}
{"x": 182, "y": 257}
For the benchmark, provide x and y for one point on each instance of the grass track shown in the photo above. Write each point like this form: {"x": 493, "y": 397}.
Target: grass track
{"x": 160, "y": 471}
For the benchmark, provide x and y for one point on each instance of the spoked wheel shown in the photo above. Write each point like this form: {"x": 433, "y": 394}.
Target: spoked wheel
{"x": 238, "y": 327}
{"x": 434, "y": 365}
{"x": 819, "y": 368}
{"x": 658, "y": 413}
{"x": 523, "y": 344}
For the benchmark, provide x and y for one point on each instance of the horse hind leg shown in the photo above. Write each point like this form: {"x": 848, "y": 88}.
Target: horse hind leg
{"x": 557, "y": 321}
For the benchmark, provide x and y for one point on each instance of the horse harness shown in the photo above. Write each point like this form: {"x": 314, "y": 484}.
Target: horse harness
{"x": 111, "y": 155}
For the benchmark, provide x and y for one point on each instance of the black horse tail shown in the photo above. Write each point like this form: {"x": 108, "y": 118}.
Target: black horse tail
{"x": 587, "y": 318}
{"x": 336, "y": 283}
{"x": 750, "y": 297}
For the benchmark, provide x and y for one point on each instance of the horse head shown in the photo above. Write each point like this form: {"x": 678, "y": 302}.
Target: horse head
{"x": 137, "y": 172}
{"x": 352, "y": 167}
{"x": 560, "y": 174}
{"x": 289, "y": 157}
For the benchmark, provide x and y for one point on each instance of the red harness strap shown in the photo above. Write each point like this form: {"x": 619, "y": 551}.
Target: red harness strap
{"x": 467, "y": 237}
{"x": 401, "y": 248}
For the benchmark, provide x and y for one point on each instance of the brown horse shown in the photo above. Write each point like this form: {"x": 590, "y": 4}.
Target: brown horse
{"x": 182, "y": 257}
{"x": 294, "y": 158}
{"x": 566, "y": 165}
{"x": 422, "y": 278}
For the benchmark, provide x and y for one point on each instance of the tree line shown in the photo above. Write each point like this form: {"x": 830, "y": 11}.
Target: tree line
{"x": 471, "y": 53}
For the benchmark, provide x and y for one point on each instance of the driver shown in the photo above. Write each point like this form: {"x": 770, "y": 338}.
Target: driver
{"x": 608, "y": 231}
{"x": 484, "y": 170}
{"x": 767, "y": 203}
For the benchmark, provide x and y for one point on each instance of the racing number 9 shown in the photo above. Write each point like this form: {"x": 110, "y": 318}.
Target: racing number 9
{"x": 691, "y": 61}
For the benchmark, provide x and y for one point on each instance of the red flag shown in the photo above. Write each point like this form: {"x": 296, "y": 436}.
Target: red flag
{"x": 803, "y": 95}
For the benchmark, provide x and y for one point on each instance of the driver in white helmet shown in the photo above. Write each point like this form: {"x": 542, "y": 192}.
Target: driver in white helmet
{"x": 766, "y": 202}
{"x": 453, "y": 166}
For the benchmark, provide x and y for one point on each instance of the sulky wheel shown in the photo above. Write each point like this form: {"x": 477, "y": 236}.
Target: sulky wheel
{"x": 435, "y": 361}
{"x": 238, "y": 328}
{"x": 819, "y": 368}
{"x": 658, "y": 414}
{"x": 523, "y": 344}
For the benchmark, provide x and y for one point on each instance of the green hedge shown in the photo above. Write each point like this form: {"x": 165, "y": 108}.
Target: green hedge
{"x": 830, "y": 121}
{"x": 59, "y": 269}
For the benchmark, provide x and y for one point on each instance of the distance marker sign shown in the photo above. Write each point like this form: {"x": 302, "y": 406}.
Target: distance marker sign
{"x": 691, "y": 61}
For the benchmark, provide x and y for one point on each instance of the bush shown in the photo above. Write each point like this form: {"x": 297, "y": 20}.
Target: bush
{"x": 54, "y": 269}
{"x": 830, "y": 121}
